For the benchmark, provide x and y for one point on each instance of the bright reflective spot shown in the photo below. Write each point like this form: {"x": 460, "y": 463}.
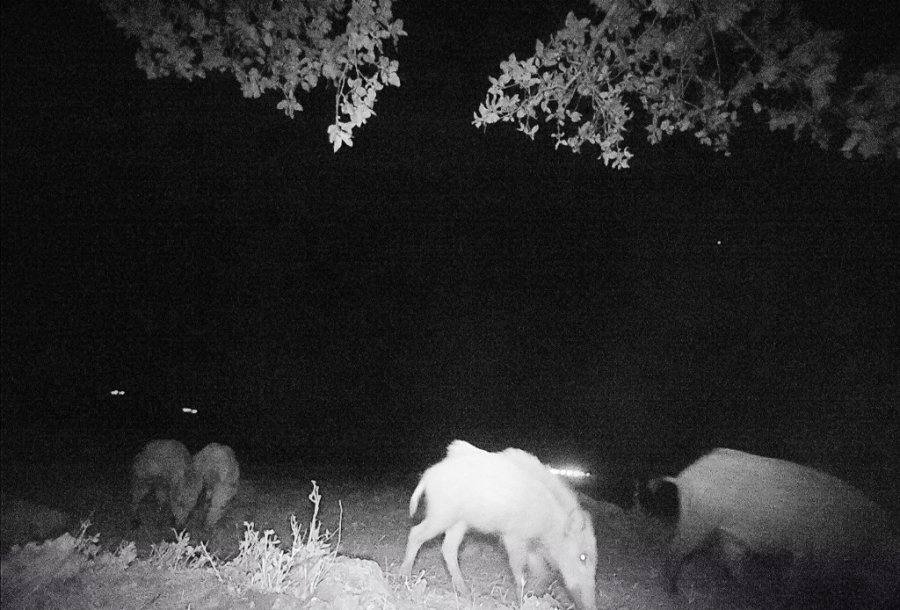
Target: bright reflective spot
{"x": 189, "y": 410}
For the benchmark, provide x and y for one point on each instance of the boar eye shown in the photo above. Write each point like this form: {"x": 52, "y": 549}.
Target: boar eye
{"x": 583, "y": 557}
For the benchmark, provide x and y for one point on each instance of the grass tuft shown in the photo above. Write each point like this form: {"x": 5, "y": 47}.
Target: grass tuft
{"x": 263, "y": 564}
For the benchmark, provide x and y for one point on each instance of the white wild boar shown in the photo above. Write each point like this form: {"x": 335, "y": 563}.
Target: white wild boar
{"x": 217, "y": 468}
{"x": 833, "y": 536}
{"x": 515, "y": 496}
{"x": 164, "y": 467}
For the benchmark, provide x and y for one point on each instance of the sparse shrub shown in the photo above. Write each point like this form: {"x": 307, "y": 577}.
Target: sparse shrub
{"x": 182, "y": 555}
{"x": 262, "y": 564}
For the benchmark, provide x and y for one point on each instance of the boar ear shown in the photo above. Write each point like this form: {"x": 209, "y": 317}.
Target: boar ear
{"x": 575, "y": 522}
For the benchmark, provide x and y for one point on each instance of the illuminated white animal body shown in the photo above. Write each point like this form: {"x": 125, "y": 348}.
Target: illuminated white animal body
{"x": 513, "y": 495}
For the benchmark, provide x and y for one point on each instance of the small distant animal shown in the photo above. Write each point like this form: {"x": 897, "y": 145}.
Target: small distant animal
{"x": 826, "y": 534}
{"x": 164, "y": 468}
{"x": 513, "y": 495}
{"x": 216, "y": 467}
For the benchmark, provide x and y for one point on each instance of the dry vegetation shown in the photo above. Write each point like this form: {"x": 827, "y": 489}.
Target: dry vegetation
{"x": 280, "y": 546}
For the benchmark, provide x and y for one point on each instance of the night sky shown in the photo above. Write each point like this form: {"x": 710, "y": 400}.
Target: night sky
{"x": 200, "y": 250}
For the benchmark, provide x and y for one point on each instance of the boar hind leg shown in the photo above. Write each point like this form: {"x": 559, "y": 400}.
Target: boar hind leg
{"x": 450, "y": 548}
{"x": 683, "y": 548}
{"x": 418, "y": 536}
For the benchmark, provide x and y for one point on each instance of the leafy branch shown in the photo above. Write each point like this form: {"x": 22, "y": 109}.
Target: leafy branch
{"x": 272, "y": 45}
{"x": 690, "y": 66}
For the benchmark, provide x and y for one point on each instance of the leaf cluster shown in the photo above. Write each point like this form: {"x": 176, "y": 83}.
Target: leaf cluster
{"x": 689, "y": 66}
{"x": 267, "y": 45}
{"x": 672, "y": 66}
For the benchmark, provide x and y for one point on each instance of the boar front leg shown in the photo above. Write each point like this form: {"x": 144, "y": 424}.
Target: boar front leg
{"x": 518, "y": 553}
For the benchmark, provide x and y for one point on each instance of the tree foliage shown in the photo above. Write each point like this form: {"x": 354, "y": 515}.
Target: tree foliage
{"x": 692, "y": 66}
{"x": 272, "y": 44}
{"x": 698, "y": 66}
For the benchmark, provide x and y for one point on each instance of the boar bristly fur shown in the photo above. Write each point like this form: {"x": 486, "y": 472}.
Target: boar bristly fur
{"x": 823, "y": 529}
{"x": 216, "y": 466}
{"x": 513, "y": 495}
{"x": 164, "y": 467}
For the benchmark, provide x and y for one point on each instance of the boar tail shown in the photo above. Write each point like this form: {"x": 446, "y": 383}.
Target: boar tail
{"x": 414, "y": 500}
{"x": 654, "y": 484}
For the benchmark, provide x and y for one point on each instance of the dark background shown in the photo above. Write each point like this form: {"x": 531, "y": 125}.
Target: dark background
{"x": 196, "y": 249}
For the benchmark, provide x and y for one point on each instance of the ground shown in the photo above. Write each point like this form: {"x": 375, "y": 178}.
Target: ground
{"x": 370, "y": 524}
